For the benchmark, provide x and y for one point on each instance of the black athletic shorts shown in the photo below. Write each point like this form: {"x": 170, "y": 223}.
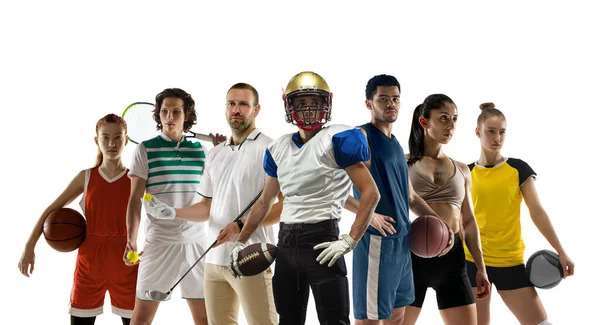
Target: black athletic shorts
{"x": 504, "y": 278}
{"x": 447, "y": 275}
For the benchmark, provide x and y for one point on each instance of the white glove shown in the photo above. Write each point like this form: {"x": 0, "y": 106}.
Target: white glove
{"x": 157, "y": 208}
{"x": 334, "y": 249}
{"x": 233, "y": 258}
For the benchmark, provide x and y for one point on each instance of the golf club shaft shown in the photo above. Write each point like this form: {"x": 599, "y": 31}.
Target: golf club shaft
{"x": 215, "y": 242}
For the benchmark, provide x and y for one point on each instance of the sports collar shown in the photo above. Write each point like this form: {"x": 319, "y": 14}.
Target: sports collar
{"x": 166, "y": 138}
{"x": 491, "y": 166}
{"x": 252, "y": 136}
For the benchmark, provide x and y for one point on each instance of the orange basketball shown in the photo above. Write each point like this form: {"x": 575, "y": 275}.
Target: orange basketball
{"x": 428, "y": 236}
{"x": 64, "y": 229}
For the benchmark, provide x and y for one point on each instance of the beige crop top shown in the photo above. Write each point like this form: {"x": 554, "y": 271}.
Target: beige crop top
{"x": 452, "y": 191}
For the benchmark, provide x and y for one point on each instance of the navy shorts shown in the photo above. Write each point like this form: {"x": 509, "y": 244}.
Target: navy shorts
{"x": 382, "y": 276}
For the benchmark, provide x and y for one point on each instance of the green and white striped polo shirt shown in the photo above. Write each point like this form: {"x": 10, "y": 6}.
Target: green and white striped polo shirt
{"x": 172, "y": 171}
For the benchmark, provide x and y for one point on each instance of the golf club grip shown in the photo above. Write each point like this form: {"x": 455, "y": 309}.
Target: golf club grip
{"x": 216, "y": 241}
{"x": 203, "y": 137}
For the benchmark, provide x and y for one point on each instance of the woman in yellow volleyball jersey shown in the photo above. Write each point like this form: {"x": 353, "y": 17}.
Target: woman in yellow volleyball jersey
{"x": 499, "y": 185}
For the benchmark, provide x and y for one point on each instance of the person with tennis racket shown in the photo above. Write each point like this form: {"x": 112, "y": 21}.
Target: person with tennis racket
{"x": 105, "y": 188}
{"x": 140, "y": 117}
{"x": 233, "y": 177}
{"x": 314, "y": 168}
{"x": 168, "y": 166}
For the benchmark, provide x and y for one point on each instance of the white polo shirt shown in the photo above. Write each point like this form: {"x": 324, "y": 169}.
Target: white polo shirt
{"x": 232, "y": 178}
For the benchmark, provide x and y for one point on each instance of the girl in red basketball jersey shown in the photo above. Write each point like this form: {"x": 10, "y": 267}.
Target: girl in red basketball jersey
{"x": 444, "y": 184}
{"x": 499, "y": 186}
{"x": 99, "y": 266}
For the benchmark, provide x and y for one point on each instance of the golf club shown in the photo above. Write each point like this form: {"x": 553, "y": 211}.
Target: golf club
{"x": 156, "y": 295}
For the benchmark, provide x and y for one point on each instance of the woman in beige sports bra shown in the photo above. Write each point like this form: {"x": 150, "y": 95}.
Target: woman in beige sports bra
{"x": 445, "y": 185}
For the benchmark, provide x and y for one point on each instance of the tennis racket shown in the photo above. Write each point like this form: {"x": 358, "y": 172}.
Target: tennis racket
{"x": 141, "y": 126}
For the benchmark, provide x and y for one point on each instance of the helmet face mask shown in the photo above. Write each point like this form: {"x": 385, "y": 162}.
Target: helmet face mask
{"x": 308, "y": 111}
{"x": 307, "y": 101}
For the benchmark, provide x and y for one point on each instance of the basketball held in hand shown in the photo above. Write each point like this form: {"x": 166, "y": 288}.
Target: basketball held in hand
{"x": 64, "y": 229}
{"x": 429, "y": 236}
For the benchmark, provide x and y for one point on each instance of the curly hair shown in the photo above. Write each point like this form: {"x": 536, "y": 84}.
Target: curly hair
{"x": 189, "y": 107}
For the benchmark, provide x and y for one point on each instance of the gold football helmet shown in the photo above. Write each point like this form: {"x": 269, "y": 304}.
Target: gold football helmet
{"x": 307, "y": 101}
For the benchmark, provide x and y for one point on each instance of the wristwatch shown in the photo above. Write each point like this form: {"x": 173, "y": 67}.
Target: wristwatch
{"x": 240, "y": 224}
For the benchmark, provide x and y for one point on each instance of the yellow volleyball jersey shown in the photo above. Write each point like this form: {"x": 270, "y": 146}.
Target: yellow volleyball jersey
{"x": 496, "y": 193}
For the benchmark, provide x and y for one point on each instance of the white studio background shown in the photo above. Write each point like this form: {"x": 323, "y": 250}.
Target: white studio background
{"x": 66, "y": 64}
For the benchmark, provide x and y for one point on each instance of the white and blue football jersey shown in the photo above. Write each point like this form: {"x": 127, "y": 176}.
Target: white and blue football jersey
{"x": 311, "y": 175}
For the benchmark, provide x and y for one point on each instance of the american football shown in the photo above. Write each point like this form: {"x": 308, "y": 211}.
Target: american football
{"x": 256, "y": 258}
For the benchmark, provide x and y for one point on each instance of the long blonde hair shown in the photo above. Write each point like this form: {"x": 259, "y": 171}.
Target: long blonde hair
{"x": 109, "y": 118}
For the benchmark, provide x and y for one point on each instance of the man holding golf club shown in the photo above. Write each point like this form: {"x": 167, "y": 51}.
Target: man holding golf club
{"x": 232, "y": 178}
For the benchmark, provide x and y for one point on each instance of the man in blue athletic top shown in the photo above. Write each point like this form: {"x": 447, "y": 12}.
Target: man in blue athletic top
{"x": 382, "y": 270}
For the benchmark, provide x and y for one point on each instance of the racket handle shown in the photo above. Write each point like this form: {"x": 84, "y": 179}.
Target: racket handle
{"x": 203, "y": 137}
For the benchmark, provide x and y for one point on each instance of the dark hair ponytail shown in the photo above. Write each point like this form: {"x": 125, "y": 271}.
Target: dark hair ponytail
{"x": 416, "y": 140}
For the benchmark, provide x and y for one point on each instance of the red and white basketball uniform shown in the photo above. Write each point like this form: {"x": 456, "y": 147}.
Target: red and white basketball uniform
{"x": 100, "y": 265}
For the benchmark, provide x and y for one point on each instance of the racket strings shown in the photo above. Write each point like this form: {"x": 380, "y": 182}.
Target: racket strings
{"x": 140, "y": 123}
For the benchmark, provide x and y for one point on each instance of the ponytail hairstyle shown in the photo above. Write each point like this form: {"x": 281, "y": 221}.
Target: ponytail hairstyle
{"x": 488, "y": 110}
{"x": 110, "y": 118}
{"x": 416, "y": 140}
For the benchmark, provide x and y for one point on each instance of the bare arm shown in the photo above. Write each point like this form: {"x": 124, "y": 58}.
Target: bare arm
{"x": 70, "y": 193}
{"x": 260, "y": 209}
{"x": 274, "y": 213}
{"x": 539, "y": 216}
{"x": 470, "y": 224}
{"x": 542, "y": 221}
{"x": 134, "y": 211}
{"x": 198, "y": 212}
{"x": 471, "y": 230}
{"x": 351, "y": 204}
{"x": 363, "y": 181}
{"x": 231, "y": 230}
{"x": 73, "y": 190}
{"x": 417, "y": 205}
{"x": 382, "y": 223}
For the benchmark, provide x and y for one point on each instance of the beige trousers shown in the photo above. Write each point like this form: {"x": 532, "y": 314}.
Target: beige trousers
{"x": 223, "y": 295}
